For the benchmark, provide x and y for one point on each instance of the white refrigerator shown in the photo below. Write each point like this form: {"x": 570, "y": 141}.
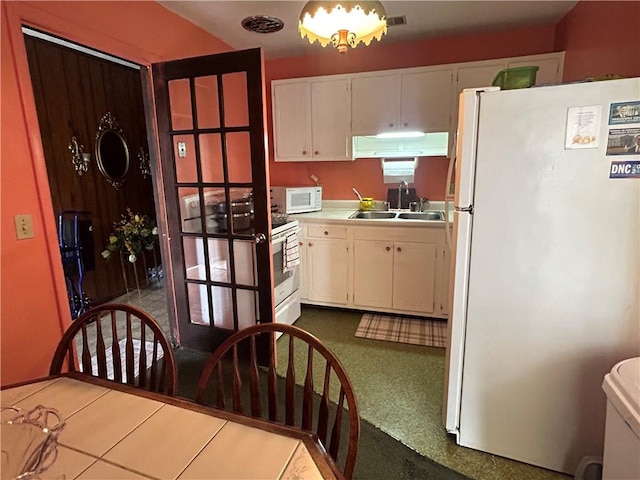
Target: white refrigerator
{"x": 545, "y": 269}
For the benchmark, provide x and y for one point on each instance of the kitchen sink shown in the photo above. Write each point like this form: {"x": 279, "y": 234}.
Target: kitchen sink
{"x": 374, "y": 215}
{"x": 436, "y": 215}
{"x": 423, "y": 216}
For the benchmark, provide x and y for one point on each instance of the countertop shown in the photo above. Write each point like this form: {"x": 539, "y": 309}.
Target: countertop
{"x": 339, "y": 211}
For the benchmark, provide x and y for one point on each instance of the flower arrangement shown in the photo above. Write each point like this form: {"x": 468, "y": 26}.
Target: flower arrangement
{"x": 132, "y": 234}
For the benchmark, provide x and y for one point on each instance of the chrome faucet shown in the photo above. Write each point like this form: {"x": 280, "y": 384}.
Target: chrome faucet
{"x": 406, "y": 191}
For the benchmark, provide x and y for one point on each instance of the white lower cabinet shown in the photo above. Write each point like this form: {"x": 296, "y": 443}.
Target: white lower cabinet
{"x": 395, "y": 275}
{"x": 325, "y": 266}
{"x": 372, "y": 274}
{"x": 383, "y": 269}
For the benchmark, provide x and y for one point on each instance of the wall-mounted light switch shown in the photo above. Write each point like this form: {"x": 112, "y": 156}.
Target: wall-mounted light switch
{"x": 182, "y": 149}
{"x": 24, "y": 227}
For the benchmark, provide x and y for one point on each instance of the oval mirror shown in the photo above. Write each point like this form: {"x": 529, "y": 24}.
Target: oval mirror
{"x": 112, "y": 151}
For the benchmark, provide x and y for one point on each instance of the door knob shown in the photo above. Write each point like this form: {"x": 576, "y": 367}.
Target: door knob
{"x": 259, "y": 238}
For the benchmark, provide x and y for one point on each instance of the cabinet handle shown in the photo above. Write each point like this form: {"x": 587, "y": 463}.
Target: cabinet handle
{"x": 316, "y": 152}
{"x": 300, "y": 244}
{"x": 391, "y": 125}
{"x": 399, "y": 249}
{"x": 326, "y": 233}
{"x": 387, "y": 248}
{"x": 310, "y": 244}
{"x": 304, "y": 152}
{"x": 406, "y": 124}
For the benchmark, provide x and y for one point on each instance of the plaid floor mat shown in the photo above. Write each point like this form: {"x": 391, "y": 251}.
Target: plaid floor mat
{"x": 416, "y": 331}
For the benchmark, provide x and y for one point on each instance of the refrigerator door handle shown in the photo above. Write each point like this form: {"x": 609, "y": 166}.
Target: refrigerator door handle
{"x": 449, "y": 196}
{"x": 468, "y": 209}
{"x": 447, "y": 223}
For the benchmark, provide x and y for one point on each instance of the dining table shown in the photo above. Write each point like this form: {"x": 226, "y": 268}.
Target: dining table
{"x": 117, "y": 431}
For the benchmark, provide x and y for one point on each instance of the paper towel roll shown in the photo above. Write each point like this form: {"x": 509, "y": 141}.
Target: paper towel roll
{"x": 396, "y": 171}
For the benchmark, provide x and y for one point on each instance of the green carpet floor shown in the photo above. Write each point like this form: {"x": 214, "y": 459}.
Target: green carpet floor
{"x": 399, "y": 388}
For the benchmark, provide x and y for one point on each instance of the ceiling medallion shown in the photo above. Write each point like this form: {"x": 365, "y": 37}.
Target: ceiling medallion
{"x": 342, "y": 23}
{"x": 262, "y": 24}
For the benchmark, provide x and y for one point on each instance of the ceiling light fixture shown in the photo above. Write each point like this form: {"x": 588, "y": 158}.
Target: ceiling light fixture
{"x": 342, "y": 23}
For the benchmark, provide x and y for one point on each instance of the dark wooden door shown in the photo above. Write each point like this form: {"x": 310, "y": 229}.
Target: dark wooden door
{"x": 210, "y": 116}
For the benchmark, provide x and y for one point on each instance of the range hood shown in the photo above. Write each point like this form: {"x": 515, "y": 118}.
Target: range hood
{"x": 428, "y": 145}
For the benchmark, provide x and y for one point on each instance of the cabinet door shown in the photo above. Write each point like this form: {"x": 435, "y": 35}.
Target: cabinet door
{"x": 327, "y": 263}
{"x": 548, "y": 70}
{"x": 426, "y": 105}
{"x": 303, "y": 270}
{"x": 331, "y": 120}
{"x": 414, "y": 267}
{"x": 372, "y": 274}
{"x": 291, "y": 121}
{"x": 375, "y": 104}
{"x": 478, "y": 76}
{"x": 443, "y": 295}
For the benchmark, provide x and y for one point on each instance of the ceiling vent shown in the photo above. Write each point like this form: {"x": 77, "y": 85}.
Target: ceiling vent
{"x": 393, "y": 21}
{"x": 262, "y": 24}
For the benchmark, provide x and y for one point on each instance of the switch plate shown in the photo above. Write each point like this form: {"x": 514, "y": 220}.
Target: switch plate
{"x": 24, "y": 227}
{"x": 182, "y": 149}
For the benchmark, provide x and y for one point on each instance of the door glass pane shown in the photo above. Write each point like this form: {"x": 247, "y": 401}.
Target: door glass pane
{"x": 189, "y": 204}
{"x": 207, "y": 101}
{"x": 194, "y": 258}
{"x": 242, "y": 216}
{"x": 214, "y": 208}
{"x": 222, "y": 307}
{"x": 211, "y": 158}
{"x": 219, "y": 260}
{"x": 245, "y": 262}
{"x": 180, "y": 104}
{"x": 184, "y": 151}
{"x": 236, "y": 107}
{"x": 239, "y": 155}
{"x": 247, "y": 308}
{"x": 198, "y": 303}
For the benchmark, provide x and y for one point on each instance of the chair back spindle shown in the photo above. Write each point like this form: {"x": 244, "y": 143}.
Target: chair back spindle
{"x": 332, "y": 413}
{"x": 121, "y": 343}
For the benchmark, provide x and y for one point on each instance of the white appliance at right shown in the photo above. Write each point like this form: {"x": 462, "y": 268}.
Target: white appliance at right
{"x": 545, "y": 274}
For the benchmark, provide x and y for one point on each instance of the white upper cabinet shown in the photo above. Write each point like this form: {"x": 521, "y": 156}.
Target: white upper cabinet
{"x": 312, "y": 119}
{"x": 375, "y": 104}
{"x": 477, "y": 76}
{"x": 331, "y": 119}
{"x": 549, "y": 69}
{"x": 409, "y": 101}
{"x": 425, "y": 101}
{"x": 482, "y": 74}
{"x": 292, "y": 120}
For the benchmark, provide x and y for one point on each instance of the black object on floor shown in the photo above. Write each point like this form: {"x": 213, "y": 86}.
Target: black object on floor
{"x": 380, "y": 456}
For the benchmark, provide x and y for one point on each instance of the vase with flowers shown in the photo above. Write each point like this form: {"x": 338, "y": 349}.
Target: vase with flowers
{"x": 131, "y": 236}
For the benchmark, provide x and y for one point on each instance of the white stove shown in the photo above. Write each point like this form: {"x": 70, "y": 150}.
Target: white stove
{"x": 286, "y": 284}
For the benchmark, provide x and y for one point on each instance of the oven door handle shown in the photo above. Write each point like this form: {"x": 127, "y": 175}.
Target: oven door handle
{"x": 282, "y": 237}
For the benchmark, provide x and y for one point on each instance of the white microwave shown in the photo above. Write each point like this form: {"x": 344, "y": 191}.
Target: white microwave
{"x": 296, "y": 199}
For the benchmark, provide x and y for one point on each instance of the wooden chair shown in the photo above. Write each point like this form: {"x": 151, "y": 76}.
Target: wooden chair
{"x": 262, "y": 387}
{"x": 121, "y": 343}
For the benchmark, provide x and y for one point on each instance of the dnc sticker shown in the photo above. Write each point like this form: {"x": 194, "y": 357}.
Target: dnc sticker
{"x": 625, "y": 169}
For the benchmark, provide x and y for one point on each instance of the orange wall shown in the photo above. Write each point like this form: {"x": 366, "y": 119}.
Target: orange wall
{"x": 338, "y": 178}
{"x": 601, "y": 38}
{"x": 33, "y": 306}
{"x": 598, "y": 38}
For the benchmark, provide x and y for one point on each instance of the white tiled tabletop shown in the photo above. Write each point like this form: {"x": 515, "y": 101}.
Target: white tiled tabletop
{"x": 115, "y": 433}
